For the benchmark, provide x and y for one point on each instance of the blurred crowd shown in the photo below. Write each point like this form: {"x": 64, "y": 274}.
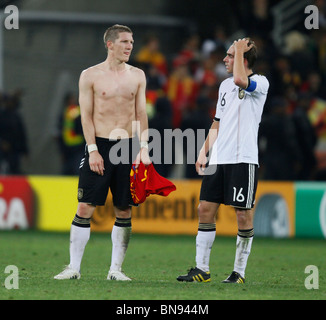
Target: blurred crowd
{"x": 182, "y": 91}
{"x": 13, "y": 135}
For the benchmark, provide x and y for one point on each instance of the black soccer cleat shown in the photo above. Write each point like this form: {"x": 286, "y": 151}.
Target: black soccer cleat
{"x": 197, "y": 275}
{"x": 234, "y": 277}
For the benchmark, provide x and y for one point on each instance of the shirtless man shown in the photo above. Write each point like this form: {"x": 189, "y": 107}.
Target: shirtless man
{"x": 111, "y": 98}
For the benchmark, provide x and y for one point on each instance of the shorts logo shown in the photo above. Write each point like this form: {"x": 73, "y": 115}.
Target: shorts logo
{"x": 80, "y": 193}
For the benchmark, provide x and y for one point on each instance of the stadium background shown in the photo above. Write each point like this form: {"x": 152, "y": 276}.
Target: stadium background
{"x": 41, "y": 63}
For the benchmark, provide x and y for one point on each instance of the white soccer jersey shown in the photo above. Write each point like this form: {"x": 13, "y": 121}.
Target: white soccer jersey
{"x": 239, "y": 112}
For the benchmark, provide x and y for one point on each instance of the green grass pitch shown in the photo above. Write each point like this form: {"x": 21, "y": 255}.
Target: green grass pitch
{"x": 275, "y": 271}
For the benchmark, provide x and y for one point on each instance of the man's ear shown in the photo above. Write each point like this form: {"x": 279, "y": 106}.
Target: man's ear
{"x": 109, "y": 44}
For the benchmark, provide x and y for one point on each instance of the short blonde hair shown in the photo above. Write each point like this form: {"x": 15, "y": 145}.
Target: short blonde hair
{"x": 112, "y": 33}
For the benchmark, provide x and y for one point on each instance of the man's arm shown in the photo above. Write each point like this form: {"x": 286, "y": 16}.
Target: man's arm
{"x": 86, "y": 108}
{"x": 239, "y": 71}
{"x": 142, "y": 119}
{"x": 211, "y": 138}
{"x": 86, "y": 104}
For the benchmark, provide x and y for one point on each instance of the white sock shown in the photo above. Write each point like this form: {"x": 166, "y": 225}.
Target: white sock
{"x": 79, "y": 235}
{"x": 120, "y": 237}
{"x": 204, "y": 242}
{"x": 243, "y": 248}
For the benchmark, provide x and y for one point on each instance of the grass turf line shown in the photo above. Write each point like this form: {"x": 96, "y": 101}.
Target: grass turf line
{"x": 275, "y": 268}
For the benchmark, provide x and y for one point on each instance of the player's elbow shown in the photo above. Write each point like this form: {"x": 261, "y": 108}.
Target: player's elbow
{"x": 141, "y": 115}
{"x": 241, "y": 82}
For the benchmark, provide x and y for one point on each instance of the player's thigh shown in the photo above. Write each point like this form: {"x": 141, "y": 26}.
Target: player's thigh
{"x": 92, "y": 187}
{"x": 241, "y": 185}
{"x": 120, "y": 186}
{"x": 212, "y": 187}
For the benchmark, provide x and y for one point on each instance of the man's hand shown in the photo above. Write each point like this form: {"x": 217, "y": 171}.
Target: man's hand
{"x": 96, "y": 162}
{"x": 242, "y": 46}
{"x": 201, "y": 163}
{"x": 143, "y": 157}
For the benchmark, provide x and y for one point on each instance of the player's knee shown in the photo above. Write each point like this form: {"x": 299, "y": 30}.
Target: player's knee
{"x": 205, "y": 213}
{"x": 244, "y": 217}
{"x": 85, "y": 210}
{"x": 122, "y": 212}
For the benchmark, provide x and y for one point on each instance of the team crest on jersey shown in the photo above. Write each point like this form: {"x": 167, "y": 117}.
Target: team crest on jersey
{"x": 241, "y": 93}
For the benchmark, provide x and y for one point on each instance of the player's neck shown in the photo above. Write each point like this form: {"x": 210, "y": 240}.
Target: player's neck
{"x": 114, "y": 64}
{"x": 249, "y": 72}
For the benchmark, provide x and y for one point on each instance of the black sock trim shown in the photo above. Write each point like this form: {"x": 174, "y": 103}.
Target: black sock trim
{"x": 122, "y": 222}
{"x": 81, "y": 222}
{"x": 207, "y": 227}
{"x": 246, "y": 233}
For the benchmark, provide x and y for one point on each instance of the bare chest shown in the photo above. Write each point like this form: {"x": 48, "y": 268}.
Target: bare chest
{"x": 113, "y": 87}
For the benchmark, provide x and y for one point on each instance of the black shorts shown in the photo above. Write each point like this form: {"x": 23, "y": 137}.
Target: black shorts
{"x": 118, "y": 156}
{"x": 231, "y": 184}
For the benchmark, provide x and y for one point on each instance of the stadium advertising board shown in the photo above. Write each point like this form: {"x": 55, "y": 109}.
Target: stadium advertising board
{"x": 275, "y": 209}
{"x": 56, "y": 199}
{"x": 282, "y": 209}
{"x": 177, "y": 213}
{"x": 310, "y": 210}
{"x": 16, "y": 203}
